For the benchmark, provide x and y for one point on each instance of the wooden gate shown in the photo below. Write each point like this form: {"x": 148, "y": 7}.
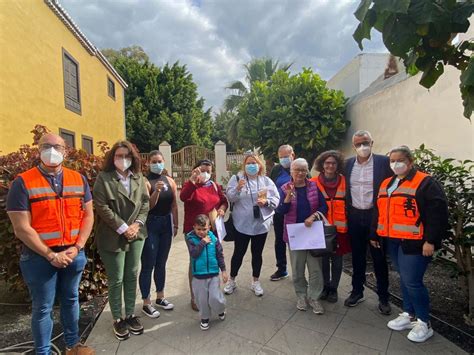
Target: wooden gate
{"x": 185, "y": 159}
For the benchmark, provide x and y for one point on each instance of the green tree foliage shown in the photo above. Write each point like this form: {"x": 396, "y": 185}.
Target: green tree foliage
{"x": 421, "y": 32}
{"x": 457, "y": 179}
{"x": 295, "y": 109}
{"x": 160, "y": 103}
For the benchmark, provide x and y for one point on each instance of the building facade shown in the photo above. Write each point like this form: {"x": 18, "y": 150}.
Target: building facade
{"x": 51, "y": 74}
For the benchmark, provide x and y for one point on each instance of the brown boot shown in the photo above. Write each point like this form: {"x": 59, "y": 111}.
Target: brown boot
{"x": 194, "y": 305}
{"x": 80, "y": 349}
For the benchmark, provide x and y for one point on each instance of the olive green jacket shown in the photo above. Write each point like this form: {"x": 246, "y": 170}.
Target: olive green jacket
{"x": 114, "y": 207}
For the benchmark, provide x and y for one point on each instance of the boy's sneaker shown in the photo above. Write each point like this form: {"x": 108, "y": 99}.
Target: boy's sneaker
{"x": 121, "y": 329}
{"x": 316, "y": 306}
{"x": 301, "y": 304}
{"x": 279, "y": 275}
{"x": 163, "y": 303}
{"x": 204, "y": 324}
{"x": 257, "y": 288}
{"x": 324, "y": 295}
{"x": 150, "y": 311}
{"x": 403, "y": 321}
{"x": 354, "y": 299}
{"x": 134, "y": 324}
{"x": 421, "y": 332}
{"x": 222, "y": 315}
{"x": 332, "y": 296}
{"x": 230, "y": 287}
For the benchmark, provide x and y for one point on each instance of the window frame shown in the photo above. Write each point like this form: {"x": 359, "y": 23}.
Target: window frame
{"x": 110, "y": 80}
{"x": 67, "y": 105}
{"x": 68, "y": 132}
{"x": 88, "y": 138}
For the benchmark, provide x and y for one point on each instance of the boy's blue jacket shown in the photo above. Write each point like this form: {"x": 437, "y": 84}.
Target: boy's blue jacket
{"x": 206, "y": 263}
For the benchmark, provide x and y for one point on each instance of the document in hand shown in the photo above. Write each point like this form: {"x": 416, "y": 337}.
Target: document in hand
{"x": 220, "y": 228}
{"x": 301, "y": 237}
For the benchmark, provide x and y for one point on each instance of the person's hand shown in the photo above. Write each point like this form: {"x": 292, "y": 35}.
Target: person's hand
{"x": 221, "y": 212}
{"x": 175, "y": 231}
{"x": 132, "y": 231}
{"x": 241, "y": 184}
{"x": 308, "y": 222}
{"x": 159, "y": 186}
{"x": 206, "y": 239}
{"x": 428, "y": 249}
{"x": 289, "y": 192}
{"x": 195, "y": 175}
{"x": 225, "y": 277}
{"x": 375, "y": 243}
{"x": 262, "y": 201}
{"x": 62, "y": 260}
{"x": 72, "y": 252}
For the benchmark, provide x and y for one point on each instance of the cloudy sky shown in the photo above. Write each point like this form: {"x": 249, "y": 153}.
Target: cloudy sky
{"x": 214, "y": 38}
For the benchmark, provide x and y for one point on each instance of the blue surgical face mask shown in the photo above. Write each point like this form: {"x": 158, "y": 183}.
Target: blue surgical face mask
{"x": 251, "y": 169}
{"x": 285, "y": 162}
{"x": 157, "y": 168}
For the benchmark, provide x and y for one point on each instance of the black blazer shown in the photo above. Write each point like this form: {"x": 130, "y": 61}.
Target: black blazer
{"x": 382, "y": 171}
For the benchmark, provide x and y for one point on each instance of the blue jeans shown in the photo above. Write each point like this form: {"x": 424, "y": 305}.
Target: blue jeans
{"x": 155, "y": 253}
{"x": 45, "y": 282}
{"x": 416, "y": 300}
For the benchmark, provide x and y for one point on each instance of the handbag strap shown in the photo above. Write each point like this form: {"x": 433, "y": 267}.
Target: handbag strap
{"x": 231, "y": 207}
{"x": 321, "y": 217}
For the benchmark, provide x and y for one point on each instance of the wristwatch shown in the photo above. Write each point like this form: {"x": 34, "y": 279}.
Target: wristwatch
{"x": 78, "y": 247}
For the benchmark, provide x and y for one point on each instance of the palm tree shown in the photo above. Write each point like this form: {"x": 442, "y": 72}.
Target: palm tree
{"x": 258, "y": 69}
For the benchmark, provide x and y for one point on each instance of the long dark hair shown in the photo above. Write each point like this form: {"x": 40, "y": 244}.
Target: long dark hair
{"x": 109, "y": 157}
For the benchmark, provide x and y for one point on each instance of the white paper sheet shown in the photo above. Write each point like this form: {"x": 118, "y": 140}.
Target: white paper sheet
{"x": 220, "y": 228}
{"x": 301, "y": 237}
{"x": 267, "y": 212}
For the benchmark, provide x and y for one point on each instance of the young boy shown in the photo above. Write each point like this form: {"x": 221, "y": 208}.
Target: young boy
{"x": 207, "y": 257}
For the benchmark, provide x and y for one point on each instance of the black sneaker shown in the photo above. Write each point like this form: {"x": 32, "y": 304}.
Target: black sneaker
{"x": 354, "y": 299}
{"x": 163, "y": 303}
{"x": 134, "y": 324}
{"x": 385, "y": 308}
{"x": 222, "y": 315}
{"x": 204, "y": 324}
{"x": 150, "y": 311}
{"x": 332, "y": 296}
{"x": 324, "y": 295}
{"x": 121, "y": 329}
{"x": 279, "y": 275}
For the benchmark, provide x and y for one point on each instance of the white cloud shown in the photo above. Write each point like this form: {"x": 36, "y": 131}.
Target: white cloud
{"x": 214, "y": 38}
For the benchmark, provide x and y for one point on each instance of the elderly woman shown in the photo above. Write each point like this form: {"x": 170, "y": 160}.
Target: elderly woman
{"x": 254, "y": 196}
{"x": 412, "y": 215}
{"x": 201, "y": 195}
{"x": 162, "y": 226}
{"x": 121, "y": 201}
{"x": 300, "y": 201}
{"x": 332, "y": 185}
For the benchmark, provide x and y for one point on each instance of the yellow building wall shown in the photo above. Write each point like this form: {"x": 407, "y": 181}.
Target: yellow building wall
{"x": 32, "y": 86}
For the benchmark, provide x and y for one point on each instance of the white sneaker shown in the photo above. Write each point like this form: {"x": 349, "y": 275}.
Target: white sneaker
{"x": 420, "y": 332}
{"x": 257, "y": 288}
{"x": 403, "y": 321}
{"x": 230, "y": 287}
{"x": 301, "y": 304}
{"x": 316, "y": 306}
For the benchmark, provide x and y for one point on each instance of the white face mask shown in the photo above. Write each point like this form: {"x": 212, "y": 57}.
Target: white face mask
{"x": 399, "y": 167}
{"x": 205, "y": 176}
{"x": 363, "y": 151}
{"x": 122, "y": 164}
{"x": 51, "y": 157}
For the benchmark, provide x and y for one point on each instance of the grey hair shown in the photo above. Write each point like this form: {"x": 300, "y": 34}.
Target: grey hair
{"x": 299, "y": 162}
{"x": 362, "y": 133}
{"x": 405, "y": 151}
{"x": 286, "y": 147}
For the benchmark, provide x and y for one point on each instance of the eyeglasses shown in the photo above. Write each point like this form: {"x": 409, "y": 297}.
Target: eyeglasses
{"x": 299, "y": 171}
{"x": 365, "y": 144}
{"x": 330, "y": 163}
{"x": 55, "y": 146}
{"x": 249, "y": 153}
{"x": 122, "y": 156}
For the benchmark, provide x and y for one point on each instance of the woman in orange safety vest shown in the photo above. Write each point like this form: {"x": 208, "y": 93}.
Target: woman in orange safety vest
{"x": 412, "y": 214}
{"x": 332, "y": 185}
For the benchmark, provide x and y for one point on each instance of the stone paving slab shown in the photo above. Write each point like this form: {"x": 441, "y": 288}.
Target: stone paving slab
{"x": 261, "y": 325}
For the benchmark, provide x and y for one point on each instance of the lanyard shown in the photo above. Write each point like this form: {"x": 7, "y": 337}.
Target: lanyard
{"x": 250, "y": 189}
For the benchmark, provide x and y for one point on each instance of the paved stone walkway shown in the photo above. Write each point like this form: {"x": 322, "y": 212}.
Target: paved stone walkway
{"x": 267, "y": 325}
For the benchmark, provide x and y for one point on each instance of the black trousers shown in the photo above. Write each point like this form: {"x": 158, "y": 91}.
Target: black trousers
{"x": 280, "y": 245}
{"x": 241, "y": 244}
{"x": 359, "y": 222}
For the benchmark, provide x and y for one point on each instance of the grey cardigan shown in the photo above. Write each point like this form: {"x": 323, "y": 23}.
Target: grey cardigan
{"x": 114, "y": 207}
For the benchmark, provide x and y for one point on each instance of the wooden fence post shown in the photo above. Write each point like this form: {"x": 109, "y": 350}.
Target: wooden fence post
{"x": 220, "y": 152}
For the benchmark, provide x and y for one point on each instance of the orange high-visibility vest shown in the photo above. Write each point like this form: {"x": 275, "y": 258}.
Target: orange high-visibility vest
{"x": 399, "y": 216}
{"x": 56, "y": 219}
{"x": 336, "y": 205}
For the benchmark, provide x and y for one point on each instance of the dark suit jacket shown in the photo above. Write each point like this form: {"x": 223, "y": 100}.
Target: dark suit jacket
{"x": 381, "y": 172}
